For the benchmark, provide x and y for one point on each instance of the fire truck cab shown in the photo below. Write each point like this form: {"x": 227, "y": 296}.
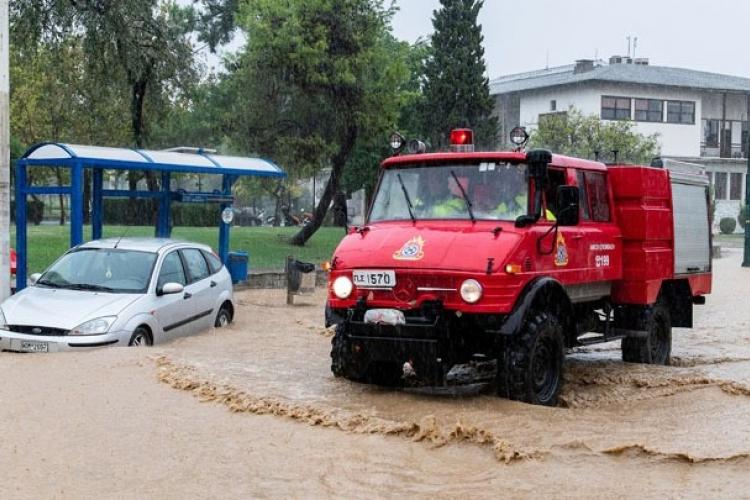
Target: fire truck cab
{"x": 513, "y": 258}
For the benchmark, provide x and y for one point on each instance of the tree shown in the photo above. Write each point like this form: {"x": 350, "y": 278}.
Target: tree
{"x": 321, "y": 78}
{"x": 574, "y": 134}
{"x": 456, "y": 87}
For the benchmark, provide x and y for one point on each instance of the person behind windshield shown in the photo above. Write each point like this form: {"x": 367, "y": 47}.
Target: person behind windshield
{"x": 503, "y": 197}
{"x": 453, "y": 203}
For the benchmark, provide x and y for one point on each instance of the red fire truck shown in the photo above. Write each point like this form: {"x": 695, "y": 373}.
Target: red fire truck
{"x": 512, "y": 258}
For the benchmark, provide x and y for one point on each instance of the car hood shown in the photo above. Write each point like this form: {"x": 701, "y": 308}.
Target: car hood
{"x": 464, "y": 247}
{"x": 58, "y": 308}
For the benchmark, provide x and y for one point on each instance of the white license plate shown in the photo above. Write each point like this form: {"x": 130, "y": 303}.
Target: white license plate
{"x": 374, "y": 278}
{"x": 31, "y": 346}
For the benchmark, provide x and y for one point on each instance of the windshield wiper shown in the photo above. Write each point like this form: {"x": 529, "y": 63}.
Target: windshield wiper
{"x": 48, "y": 283}
{"x": 87, "y": 286}
{"x": 408, "y": 200}
{"x": 466, "y": 197}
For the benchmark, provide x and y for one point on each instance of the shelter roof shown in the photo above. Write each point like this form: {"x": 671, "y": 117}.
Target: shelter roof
{"x": 201, "y": 162}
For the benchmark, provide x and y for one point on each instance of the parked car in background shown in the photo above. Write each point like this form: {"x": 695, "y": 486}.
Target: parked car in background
{"x": 119, "y": 292}
{"x": 12, "y": 261}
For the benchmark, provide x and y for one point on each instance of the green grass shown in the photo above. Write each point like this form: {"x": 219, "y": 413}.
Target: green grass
{"x": 267, "y": 246}
{"x": 735, "y": 240}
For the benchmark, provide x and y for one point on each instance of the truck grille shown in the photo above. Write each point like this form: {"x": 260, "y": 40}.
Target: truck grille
{"x": 410, "y": 286}
{"x": 38, "y": 330}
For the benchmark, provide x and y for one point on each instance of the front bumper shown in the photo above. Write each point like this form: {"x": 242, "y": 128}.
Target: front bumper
{"x": 12, "y": 341}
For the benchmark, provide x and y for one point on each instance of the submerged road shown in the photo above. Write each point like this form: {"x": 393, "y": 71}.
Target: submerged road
{"x": 253, "y": 411}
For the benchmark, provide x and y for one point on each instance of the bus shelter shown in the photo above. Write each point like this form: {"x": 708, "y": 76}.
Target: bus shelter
{"x": 78, "y": 158}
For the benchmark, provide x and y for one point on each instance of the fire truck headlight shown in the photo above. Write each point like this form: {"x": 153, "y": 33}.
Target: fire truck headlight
{"x": 342, "y": 287}
{"x": 471, "y": 291}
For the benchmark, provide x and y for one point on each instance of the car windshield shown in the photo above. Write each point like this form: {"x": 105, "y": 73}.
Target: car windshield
{"x": 494, "y": 190}
{"x": 101, "y": 270}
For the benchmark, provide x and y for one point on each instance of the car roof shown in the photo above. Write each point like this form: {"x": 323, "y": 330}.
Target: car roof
{"x": 143, "y": 244}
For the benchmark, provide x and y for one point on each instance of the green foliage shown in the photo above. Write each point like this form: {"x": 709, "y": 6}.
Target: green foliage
{"x": 34, "y": 211}
{"x": 139, "y": 213}
{"x": 456, "y": 88}
{"x": 319, "y": 80}
{"x": 138, "y": 50}
{"x": 727, "y": 225}
{"x": 574, "y": 134}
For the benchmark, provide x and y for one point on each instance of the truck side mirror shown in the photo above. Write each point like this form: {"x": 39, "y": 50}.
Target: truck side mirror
{"x": 567, "y": 205}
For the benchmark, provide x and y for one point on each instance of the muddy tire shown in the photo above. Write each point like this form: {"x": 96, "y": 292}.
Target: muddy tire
{"x": 530, "y": 368}
{"x": 141, "y": 338}
{"x": 342, "y": 364}
{"x": 656, "y": 348}
{"x": 223, "y": 317}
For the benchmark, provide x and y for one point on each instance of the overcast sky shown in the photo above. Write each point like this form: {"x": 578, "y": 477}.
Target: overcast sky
{"x": 521, "y": 35}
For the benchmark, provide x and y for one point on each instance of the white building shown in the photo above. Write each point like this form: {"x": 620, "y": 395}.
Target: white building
{"x": 700, "y": 117}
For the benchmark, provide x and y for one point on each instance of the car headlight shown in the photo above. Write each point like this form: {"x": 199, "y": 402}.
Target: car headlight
{"x": 3, "y": 323}
{"x": 342, "y": 287}
{"x": 97, "y": 326}
{"x": 471, "y": 291}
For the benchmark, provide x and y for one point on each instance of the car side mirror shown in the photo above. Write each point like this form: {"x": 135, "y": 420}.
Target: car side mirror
{"x": 170, "y": 289}
{"x": 568, "y": 205}
{"x": 34, "y": 278}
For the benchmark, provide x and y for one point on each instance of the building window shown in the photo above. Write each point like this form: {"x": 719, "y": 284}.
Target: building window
{"x": 681, "y": 112}
{"x": 720, "y": 185}
{"x": 735, "y": 186}
{"x": 615, "y": 108}
{"x": 649, "y": 110}
{"x": 711, "y": 133}
{"x": 553, "y": 105}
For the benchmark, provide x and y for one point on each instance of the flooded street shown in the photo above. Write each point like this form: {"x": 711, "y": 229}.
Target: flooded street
{"x": 254, "y": 410}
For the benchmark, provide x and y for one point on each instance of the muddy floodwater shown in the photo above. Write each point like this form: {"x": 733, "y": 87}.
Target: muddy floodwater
{"x": 253, "y": 411}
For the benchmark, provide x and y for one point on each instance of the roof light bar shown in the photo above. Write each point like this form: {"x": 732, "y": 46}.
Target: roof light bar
{"x": 462, "y": 140}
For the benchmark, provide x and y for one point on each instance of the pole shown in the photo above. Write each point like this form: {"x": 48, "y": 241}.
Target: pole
{"x": 746, "y": 259}
{"x": 4, "y": 152}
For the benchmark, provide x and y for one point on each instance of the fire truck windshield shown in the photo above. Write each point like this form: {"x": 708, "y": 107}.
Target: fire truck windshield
{"x": 495, "y": 191}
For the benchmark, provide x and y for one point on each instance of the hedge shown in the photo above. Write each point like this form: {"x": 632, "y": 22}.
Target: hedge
{"x": 727, "y": 225}
{"x": 34, "y": 211}
{"x": 140, "y": 212}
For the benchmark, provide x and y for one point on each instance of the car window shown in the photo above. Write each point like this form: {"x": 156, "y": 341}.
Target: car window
{"x": 213, "y": 262}
{"x": 596, "y": 185}
{"x": 196, "y": 264}
{"x": 582, "y": 197}
{"x": 171, "y": 271}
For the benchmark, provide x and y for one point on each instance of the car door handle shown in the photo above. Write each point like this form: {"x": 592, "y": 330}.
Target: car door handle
{"x": 577, "y": 236}
{"x": 187, "y": 295}
{"x": 213, "y": 284}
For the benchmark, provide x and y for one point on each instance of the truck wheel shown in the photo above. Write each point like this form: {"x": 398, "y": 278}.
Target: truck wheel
{"x": 531, "y": 366}
{"x": 342, "y": 364}
{"x": 656, "y": 348}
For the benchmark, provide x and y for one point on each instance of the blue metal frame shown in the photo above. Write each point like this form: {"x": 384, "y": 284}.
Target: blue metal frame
{"x": 75, "y": 192}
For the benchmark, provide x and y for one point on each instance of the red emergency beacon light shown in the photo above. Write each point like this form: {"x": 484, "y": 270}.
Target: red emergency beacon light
{"x": 462, "y": 140}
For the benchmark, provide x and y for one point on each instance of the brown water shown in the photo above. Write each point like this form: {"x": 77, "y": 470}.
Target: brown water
{"x": 671, "y": 425}
{"x": 258, "y": 414}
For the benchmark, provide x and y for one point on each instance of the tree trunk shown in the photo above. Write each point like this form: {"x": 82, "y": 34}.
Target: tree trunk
{"x": 332, "y": 186}
{"x": 61, "y": 197}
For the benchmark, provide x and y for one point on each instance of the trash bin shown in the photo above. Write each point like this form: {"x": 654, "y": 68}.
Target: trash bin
{"x": 237, "y": 266}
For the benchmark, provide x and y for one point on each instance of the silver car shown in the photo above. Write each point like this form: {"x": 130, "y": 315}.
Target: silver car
{"x": 119, "y": 292}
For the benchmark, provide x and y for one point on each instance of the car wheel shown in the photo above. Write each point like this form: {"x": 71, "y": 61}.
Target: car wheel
{"x": 141, "y": 338}
{"x": 223, "y": 318}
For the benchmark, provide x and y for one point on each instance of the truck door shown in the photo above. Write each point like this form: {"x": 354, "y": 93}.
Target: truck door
{"x": 565, "y": 257}
{"x": 601, "y": 239}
